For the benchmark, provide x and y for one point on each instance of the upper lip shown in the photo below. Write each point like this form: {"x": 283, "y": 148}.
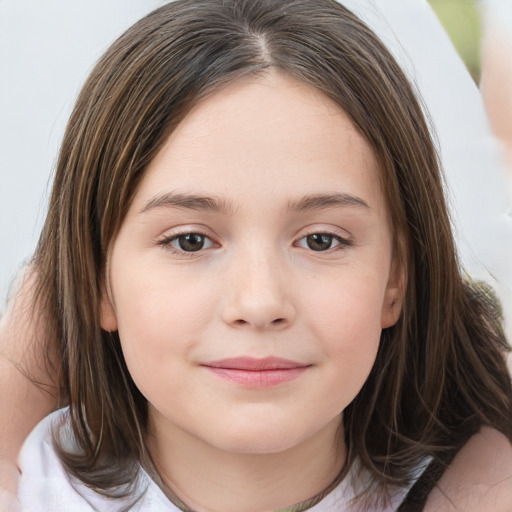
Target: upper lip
{"x": 255, "y": 364}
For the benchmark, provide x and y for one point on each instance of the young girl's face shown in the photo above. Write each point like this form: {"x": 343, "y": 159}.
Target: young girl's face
{"x": 253, "y": 273}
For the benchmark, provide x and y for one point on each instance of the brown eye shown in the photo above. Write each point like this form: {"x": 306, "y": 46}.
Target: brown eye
{"x": 319, "y": 241}
{"x": 191, "y": 242}
{"x": 322, "y": 242}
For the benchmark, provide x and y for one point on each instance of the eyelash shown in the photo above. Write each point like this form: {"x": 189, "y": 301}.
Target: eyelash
{"x": 342, "y": 241}
{"x": 166, "y": 242}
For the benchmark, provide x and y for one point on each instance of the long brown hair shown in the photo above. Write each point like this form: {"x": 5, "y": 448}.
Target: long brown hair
{"x": 439, "y": 373}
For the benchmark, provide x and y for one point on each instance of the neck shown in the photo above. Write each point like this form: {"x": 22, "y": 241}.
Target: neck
{"x": 209, "y": 479}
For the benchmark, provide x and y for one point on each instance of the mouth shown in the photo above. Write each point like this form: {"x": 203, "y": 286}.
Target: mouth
{"x": 257, "y": 373}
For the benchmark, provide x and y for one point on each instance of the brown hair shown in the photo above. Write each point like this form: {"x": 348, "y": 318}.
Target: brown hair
{"x": 439, "y": 373}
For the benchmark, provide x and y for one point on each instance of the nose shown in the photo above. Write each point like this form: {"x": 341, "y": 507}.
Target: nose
{"x": 257, "y": 295}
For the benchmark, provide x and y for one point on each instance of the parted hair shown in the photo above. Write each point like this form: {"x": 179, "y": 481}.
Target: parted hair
{"x": 439, "y": 374}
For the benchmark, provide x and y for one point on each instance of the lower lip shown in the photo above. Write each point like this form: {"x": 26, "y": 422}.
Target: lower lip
{"x": 258, "y": 378}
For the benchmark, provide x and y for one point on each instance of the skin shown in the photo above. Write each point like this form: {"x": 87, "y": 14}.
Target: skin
{"x": 255, "y": 289}
{"x": 21, "y": 333}
{"x": 479, "y": 479}
{"x": 496, "y": 83}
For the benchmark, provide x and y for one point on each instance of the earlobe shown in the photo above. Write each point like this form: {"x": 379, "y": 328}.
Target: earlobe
{"x": 108, "y": 315}
{"x": 391, "y": 309}
{"x": 394, "y": 296}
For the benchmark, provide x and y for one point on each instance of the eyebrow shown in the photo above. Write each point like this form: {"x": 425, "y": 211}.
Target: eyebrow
{"x": 217, "y": 205}
{"x": 189, "y": 202}
{"x": 324, "y": 201}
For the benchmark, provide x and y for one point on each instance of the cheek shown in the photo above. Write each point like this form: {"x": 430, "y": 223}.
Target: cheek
{"x": 348, "y": 311}
{"x": 160, "y": 319}
{"x": 346, "y": 320}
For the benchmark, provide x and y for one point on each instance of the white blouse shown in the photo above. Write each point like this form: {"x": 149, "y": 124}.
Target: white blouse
{"x": 46, "y": 487}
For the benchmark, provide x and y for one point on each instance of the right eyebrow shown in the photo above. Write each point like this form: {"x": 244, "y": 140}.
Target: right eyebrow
{"x": 323, "y": 201}
{"x": 189, "y": 202}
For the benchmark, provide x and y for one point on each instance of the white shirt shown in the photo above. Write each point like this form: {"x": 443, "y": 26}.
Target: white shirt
{"x": 46, "y": 487}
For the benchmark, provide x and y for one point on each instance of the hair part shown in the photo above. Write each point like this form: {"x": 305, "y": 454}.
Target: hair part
{"x": 439, "y": 373}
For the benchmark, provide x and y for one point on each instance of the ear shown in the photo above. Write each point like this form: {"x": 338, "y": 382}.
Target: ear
{"x": 394, "y": 295}
{"x": 108, "y": 314}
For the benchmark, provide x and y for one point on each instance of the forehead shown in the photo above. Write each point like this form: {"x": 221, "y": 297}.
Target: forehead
{"x": 269, "y": 136}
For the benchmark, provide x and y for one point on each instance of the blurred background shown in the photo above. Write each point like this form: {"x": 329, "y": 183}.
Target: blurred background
{"x": 463, "y": 20}
{"x": 47, "y": 48}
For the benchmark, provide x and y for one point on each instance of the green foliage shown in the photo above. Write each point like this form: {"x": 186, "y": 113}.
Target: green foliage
{"x": 461, "y": 19}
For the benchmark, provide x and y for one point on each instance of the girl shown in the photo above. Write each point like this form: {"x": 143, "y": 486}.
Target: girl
{"x": 249, "y": 264}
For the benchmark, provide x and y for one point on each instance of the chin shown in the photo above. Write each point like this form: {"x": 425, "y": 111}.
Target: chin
{"x": 260, "y": 446}
{"x": 264, "y": 440}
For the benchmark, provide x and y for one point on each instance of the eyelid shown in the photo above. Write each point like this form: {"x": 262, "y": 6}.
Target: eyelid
{"x": 170, "y": 235}
{"x": 327, "y": 230}
{"x": 185, "y": 229}
{"x": 343, "y": 240}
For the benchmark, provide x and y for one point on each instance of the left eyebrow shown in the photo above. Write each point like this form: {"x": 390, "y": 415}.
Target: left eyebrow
{"x": 322, "y": 201}
{"x": 189, "y": 202}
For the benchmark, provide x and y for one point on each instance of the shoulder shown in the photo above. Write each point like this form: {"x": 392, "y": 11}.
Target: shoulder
{"x": 43, "y": 481}
{"x": 37, "y": 452}
{"x": 479, "y": 478}
{"x": 45, "y": 485}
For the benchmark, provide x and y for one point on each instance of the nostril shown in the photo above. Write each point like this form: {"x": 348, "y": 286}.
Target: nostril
{"x": 276, "y": 323}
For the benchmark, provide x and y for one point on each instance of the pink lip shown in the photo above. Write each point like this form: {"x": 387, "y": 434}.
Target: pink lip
{"x": 257, "y": 373}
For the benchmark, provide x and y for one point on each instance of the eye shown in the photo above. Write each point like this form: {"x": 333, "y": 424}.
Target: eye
{"x": 187, "y": 242}
{"x": 319, "y": 242}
